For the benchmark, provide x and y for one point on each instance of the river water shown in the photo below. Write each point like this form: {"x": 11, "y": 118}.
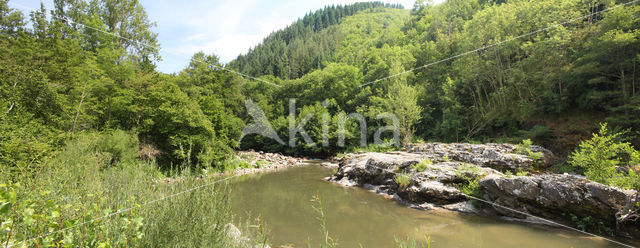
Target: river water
{"x": 360, "y": 218}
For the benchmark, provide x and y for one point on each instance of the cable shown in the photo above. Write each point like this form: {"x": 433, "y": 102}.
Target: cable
{"x": 124, "y": 210}
{"x": 546, "y": 220}
{"x": 520, "y": 212}
{"x": 154, "y": 47}
{"x": 498, "y": 43}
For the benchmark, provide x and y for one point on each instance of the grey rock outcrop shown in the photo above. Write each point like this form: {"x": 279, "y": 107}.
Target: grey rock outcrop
{"x": 555, "y": 196}
{"x": 551, "y": 196}
{"x": 434, "y": 185}
{"x": 498, "y": 156}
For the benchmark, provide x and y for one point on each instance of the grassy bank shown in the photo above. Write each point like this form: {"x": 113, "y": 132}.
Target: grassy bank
{"x": 73, "y": 199}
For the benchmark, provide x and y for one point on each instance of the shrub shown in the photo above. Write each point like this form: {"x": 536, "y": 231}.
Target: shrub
{"x": 472, "y": 188}
{"x": 76, "y": 187}
{"x": 120, "y": 145}
{"x": 602, "y": 154}
{"x": 508, "y": 174}
{"x": 26, "y": 217}
{"x": 233, "y": 164}
{"x": 260, "y": 163}
{"x": 422, "y": 166}
{"x": 589, "y": 224}
{"x": 403, "y": 179}
{"x": 524, "y": 148}
{"x": 469, "y": 173}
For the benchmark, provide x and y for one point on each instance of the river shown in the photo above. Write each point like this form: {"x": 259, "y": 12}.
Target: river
{"x": 360, "y": 218}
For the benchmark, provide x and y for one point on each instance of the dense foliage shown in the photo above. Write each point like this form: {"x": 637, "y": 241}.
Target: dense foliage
{"x": 86, "y": 121}
{"x": 552, "y": 86}
{"x": 59, "y": 77}
{"x": 609, "y": 160}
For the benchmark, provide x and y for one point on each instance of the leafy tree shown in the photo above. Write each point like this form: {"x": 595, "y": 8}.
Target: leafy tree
{"x": 178, "y": 126}
{"x": 603, "y": 155}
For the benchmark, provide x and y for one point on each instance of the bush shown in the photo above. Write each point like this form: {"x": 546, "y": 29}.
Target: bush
{"x": 403, "y": 179}
{"x": 180, "y": 129}
{"x": 524, "y": 148}
{"x": 469, "y": 173}
{"x": 120, "y": 145}
{"x": 26, "y": 217}
{"x": 602, "y": 155}
{"x": 76, "y": 186}
{"x": 422, "y": 166}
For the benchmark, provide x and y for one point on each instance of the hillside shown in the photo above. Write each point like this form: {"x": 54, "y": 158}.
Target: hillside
{"x": 302, "y": 46}
{"x": 91, "y": 132}
{"x": 553, "y": 85}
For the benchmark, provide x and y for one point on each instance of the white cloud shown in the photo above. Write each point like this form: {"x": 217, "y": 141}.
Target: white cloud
{"x": 227, "y": 47}
{"x": 195, "y": 37}
{"x": 226, "y": 28}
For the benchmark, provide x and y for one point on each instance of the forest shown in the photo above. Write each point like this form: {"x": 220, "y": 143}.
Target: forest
{"x": 68, "y": 89}
{"x": 61, "y": 78}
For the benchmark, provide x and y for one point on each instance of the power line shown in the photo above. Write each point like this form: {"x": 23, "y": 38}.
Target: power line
{"x": 499, "y": 43}
{"x": 153, "y": 47}
{"x": 123, "y": 210}
{"x": 523, "y": 213}
{"x": 545, "y": 220}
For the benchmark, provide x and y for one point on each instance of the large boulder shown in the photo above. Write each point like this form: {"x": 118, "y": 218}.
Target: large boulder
{"x": 498, "y": 156}
{"x": 434, "y": 185}
{"x": 551, "y": 196}
{"x": 555, "y": 196}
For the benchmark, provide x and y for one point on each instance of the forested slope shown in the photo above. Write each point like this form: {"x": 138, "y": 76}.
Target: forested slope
{"x": 552, "y": 85}
{"x": 302, "y": 46}
{"x": 89, "y": 126}
{"x": 60, "y": 78}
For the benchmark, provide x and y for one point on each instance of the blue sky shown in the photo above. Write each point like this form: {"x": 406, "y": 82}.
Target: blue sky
{"x": 226, "y": 28}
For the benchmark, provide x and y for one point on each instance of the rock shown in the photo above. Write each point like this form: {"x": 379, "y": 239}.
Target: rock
{"x": 555, "y": 197}
{"x": 233, "y": 232}
{"x": 238, "y": 240}
{"x": 432, "y": 192}
{"x": 264, "y": 161}
{"x": 433, "y": 186}
{"x": 464, "y": 207}
{"x": 498, "y": 156}
{"x": 551, "y": 196}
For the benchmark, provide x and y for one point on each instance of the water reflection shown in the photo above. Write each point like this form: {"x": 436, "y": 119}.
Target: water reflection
{"x": 358, "y": 217}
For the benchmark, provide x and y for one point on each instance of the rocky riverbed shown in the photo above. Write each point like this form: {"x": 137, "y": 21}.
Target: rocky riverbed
{"x": 438, "y": 175}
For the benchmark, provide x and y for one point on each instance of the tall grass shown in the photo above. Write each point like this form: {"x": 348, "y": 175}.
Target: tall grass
{"x": 66, "y": 201}
{"x": 412, "y": 242}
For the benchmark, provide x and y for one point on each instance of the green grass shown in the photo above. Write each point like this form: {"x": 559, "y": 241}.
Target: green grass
{"x": 412, "y": 242}
{"x": 81, "y": 183}
{"x": 385, "y": 147}
{"x": 422, "y": 166}
{"x": 403, "y": 179}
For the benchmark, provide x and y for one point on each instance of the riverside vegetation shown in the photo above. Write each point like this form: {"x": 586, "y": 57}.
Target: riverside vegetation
{"x": 89, "y": 126}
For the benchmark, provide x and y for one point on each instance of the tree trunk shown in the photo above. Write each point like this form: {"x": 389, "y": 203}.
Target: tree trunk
{"x": 109, "y": 111}
{"x": 15, "y": 83}
{"x": 75, "y": 119}
{"x": 633, "y": 79}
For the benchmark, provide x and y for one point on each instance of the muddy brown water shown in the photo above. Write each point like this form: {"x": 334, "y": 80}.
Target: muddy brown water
{"x": 360, "y": 218}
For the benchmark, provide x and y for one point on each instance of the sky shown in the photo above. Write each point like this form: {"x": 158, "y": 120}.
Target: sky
{"x": 226, "y": 28}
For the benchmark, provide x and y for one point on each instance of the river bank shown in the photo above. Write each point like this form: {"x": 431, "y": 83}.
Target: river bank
{"x": 449, "y": 176}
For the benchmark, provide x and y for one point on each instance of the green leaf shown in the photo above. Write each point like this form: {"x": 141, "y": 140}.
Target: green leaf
{"x": 5, "y": 207}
